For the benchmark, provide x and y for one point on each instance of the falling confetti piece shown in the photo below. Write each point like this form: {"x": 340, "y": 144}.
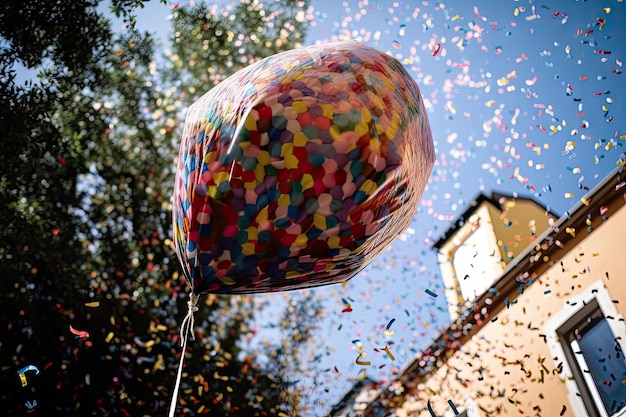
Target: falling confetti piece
{"x": 478, "y": 15}
{"x": 22, "y": 373}
{"x": 531, "y": 81}
{"x": 437, "y": 48}
{"x": 388, "y": 352}
{"x": 93, "y": 304}
{"x": 453, "y": 407}
{"x": 432, "y": 294}
{"x": 363, "y": 376}
{"x": 430, "y": 409}
{"x": 360, "y": 362}
{"x": 80, "y": 334}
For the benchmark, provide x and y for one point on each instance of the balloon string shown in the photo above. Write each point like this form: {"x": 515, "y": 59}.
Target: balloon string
{"x": 185, "y": 328}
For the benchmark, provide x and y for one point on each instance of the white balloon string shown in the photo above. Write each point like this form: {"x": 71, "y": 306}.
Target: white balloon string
{"x": 185, "y": 328}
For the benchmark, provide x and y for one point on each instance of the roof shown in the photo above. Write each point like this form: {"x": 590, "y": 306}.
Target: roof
{"x": 495, "y": 200}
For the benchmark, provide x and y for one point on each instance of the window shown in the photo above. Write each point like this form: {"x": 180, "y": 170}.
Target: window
{"x": 585, "y": 338}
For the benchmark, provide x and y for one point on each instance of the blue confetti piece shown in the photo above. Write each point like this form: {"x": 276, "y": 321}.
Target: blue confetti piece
{"x": 453, "y": 407}
{"x": 430, "y": 409}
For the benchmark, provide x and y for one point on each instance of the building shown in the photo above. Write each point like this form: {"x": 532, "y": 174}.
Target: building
{"x": 537, "y": 319}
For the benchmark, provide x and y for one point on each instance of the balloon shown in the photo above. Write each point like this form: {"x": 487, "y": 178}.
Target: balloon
{"x": 298, "y": 170}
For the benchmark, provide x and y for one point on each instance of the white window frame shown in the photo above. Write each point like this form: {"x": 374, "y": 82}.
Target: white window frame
{"x": 598, "y": 291}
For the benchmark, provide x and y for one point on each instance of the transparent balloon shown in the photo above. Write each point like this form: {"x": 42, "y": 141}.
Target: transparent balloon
{"x": 299, "y": 170}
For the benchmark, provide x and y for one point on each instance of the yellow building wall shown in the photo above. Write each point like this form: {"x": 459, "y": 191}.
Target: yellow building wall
{"x": 516, "y": 224}
{"x": 507, "y": 367}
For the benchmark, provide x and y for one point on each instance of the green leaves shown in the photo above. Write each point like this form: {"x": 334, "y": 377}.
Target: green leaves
{"x": 85, "y": 181}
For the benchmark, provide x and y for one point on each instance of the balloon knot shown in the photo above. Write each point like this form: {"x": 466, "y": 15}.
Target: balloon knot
{"x": 189, "y": 321}
{"x": 192, "y": 303}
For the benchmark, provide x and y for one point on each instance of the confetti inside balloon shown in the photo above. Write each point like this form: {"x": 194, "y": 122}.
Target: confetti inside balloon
{"x": 298, "y": 170}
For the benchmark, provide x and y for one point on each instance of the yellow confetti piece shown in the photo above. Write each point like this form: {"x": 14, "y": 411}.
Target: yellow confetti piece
{"x": 159, "y": 364}
{"x": 227, "y": 281}
{"x": 569, "y": 195}
{"x": 93, "y": 304}
{"x": 362, "y": 377}
{"x": 360, "y": 362}
{"x": 386, "y": 349}
{"x": 109, "y": 337}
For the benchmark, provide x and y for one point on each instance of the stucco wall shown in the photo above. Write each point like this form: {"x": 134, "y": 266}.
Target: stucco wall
{"x": 513, "y": 226}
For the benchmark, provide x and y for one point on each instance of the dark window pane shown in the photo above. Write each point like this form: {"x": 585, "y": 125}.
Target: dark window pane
{"x": 605, "y": 360}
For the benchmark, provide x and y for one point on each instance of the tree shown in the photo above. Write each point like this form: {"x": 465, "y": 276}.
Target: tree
{"x": 85, "y": 181}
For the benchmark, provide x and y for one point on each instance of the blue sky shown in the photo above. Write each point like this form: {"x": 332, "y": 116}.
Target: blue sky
{"x": 520, "y": 102}
{"x": 523, "y": 97}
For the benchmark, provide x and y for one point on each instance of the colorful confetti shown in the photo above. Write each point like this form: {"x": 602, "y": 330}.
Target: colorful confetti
{"x": 295, "y": 189}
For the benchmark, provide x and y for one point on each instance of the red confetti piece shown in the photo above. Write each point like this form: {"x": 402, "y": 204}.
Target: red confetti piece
{"x": 437, "y": 48}
{"x": 81, "y": 334}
